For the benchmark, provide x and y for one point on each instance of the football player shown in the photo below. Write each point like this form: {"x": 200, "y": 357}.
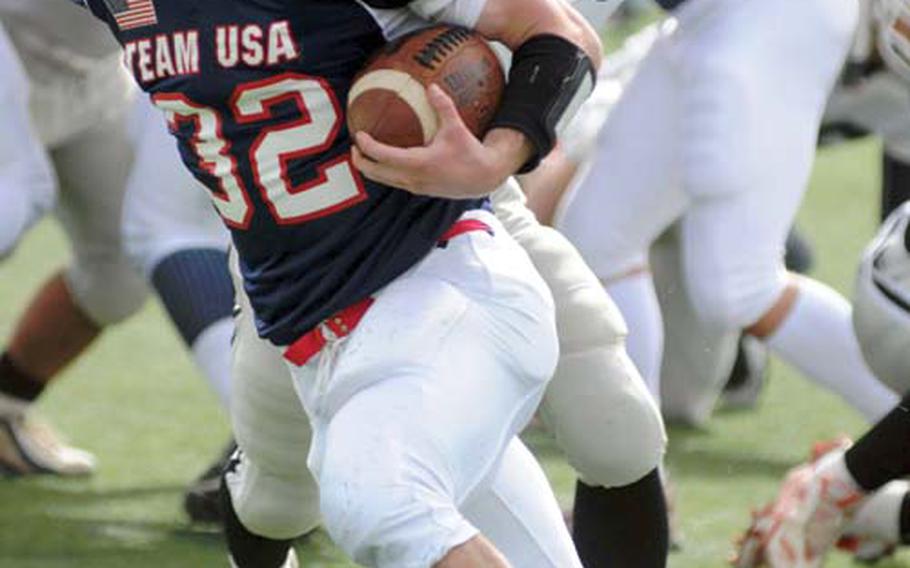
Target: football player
{"x": 172, "y": 235}
{"x": 91, "y": 150}
{"x": 871, "y": 98}
{"x": 418, "y": 335}
{"x": 714, "y": 101}
{"x": 78, "y": 135}
{"x": 618, "y": 513}
{"x": 856, "y": 495}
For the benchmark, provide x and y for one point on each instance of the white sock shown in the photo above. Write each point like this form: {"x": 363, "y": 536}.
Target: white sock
{"x": 212, "y": 352}
{"x": 879, "y": 516}
{"x": 817, "y": 338}
{"x": 637, "y": 300}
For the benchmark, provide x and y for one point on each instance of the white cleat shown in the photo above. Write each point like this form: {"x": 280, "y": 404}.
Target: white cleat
{"x": 28, "y": 446}
{"x": 805, "y": 521}
{"x": 874, "y": 532}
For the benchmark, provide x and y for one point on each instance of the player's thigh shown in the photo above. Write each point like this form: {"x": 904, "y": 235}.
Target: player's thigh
{"x": 165, "y": 210}
{"x": 595, "y": 388}
{"x": 631, "y": 191}
{"x": 758, "y": 74}
{"x": 732, "y": 249}
{"x": 444, "y": 342}
{"x": 93, "y": 169}
{"x": 518, "y": 513}
{"x": 447, "y": 365}
{"x": 27, "y": 184}
{"x": 274, "y": 494}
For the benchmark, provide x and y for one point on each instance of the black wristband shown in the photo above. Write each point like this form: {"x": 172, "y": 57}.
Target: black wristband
{"x": 549, "y": 79}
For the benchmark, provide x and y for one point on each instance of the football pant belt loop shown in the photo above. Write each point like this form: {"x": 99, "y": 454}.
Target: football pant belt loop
{"x": 344, "y": 321}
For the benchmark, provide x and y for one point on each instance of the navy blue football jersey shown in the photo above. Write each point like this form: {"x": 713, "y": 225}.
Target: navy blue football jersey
{"x": 255, "y": 92}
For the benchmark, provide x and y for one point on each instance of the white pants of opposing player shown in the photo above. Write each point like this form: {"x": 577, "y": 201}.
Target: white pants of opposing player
{"x": 716, "y": 132}
{"x": 27, "y": 185}
{"x": 76, "y": 130}
{"x": 414, "y": 416}
{"x": 698, "y": 137}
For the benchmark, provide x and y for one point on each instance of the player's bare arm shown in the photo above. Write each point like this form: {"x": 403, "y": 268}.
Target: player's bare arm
{"x": 457, "y": 165}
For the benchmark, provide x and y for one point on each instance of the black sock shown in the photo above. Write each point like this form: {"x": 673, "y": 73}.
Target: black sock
{"x": 905, "y": 519}
{"x": 895, "y": 183}
{"x": 624, "y": 526}
{"x": 883, "y": 453}
{"x": 17, "y": 383}
{"x": 247, "y": 549}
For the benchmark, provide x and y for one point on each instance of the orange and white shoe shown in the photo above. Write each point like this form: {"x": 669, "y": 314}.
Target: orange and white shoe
{"x": 805, "y": 521}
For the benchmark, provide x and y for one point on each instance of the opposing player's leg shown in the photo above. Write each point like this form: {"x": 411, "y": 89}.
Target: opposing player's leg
{"x": 175, "y": 238}
{"x": 629, "y": 196}
{"x": 27, "y": 184}
{"x": 52, "y": 332}
{"x": 739, "y": 282}
{"x": 596, "y": 388}
{"x": 98, "y": 288}
{"x": 697, "y": 358}
{"x": 172, "y": 234}
{"x": 847, "y": 492}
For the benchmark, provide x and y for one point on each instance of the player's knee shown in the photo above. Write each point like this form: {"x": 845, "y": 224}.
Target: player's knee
{"x": 631, "y": 439}
{"x": 730, "y": 304}
{"x": 387, "y": 524}
{"x": 273, "y": 506}
{"x": 108, "y": 292}
{"x": 280, "y": 513}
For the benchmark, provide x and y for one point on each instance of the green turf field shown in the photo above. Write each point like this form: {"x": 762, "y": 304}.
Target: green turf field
{"x": 136, "y": 401}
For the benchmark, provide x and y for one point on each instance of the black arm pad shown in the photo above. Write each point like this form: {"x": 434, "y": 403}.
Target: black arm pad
{"x": 549, "y": 79}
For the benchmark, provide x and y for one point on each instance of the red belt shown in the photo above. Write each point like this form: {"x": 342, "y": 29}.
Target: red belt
{"x": 344, "y": 321}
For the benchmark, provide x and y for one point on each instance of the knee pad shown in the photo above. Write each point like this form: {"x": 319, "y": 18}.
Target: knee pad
{"x": 109, "y": 291}
{"x": 271, "y": 505}
{"x": 196, "y": 289}
{"x": 604, "y": 418}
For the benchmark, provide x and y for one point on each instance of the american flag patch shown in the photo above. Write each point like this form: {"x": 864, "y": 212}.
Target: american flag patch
{"x": 130, "y": 14}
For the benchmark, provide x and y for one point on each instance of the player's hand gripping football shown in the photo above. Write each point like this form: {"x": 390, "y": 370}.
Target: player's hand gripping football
{"x": 454, "y": 165}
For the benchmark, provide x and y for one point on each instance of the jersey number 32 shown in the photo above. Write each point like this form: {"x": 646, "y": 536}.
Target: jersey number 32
{"x": 336, "y": 186}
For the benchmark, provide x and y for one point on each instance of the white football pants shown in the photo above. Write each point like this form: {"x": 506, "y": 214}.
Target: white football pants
{"x": 411, "y": 416}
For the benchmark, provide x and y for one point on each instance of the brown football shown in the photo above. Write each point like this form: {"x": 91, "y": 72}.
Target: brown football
{"x": 388, "y": 98}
